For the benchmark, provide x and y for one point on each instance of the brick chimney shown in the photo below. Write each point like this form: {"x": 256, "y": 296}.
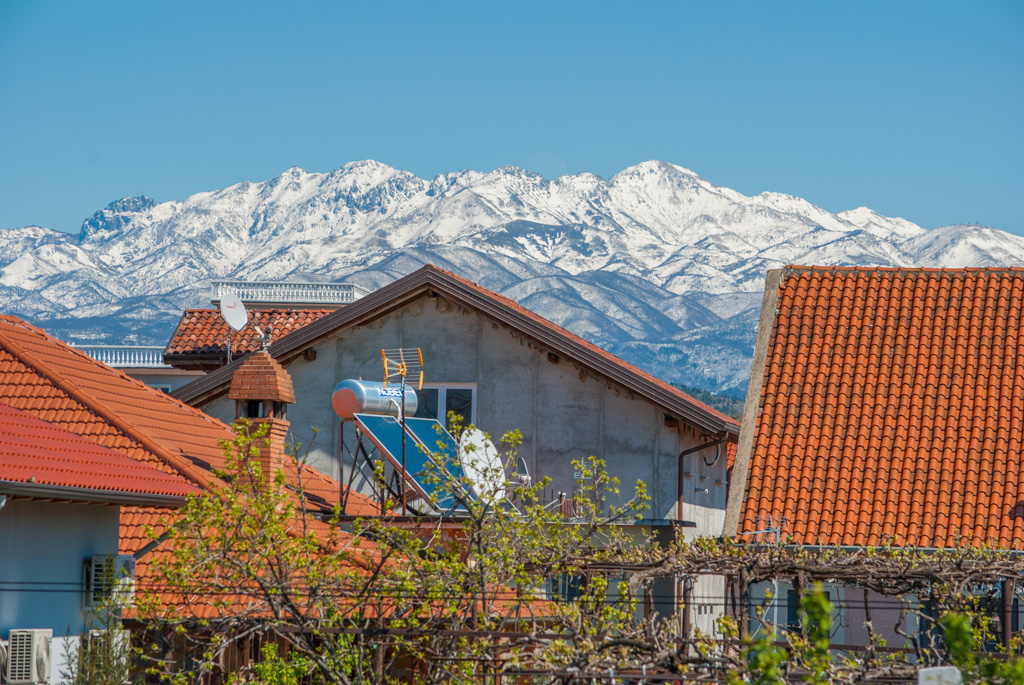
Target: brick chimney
{"x": 262, "y": 391}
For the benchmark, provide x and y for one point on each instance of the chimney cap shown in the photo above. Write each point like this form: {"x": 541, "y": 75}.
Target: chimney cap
{"x": 261, "y": 377}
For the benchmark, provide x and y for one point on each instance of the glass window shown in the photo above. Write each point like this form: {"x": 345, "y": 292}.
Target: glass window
{"x": 434, "y": 402}
{"x": 426, "y": 403}
{"x": 793, "y": 609}
{"x": 460, "y": 402}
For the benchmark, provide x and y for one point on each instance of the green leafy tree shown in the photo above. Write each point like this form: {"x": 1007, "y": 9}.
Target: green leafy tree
{"x": 392, "y": 600}
{"x": 555, "y": 591}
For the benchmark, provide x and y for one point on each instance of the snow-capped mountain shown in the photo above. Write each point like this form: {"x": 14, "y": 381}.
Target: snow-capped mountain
{"x": 656, "y": 263}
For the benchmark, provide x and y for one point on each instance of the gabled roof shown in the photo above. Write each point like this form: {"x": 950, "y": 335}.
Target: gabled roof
{"x": 60, "y": 385}
{"x": 201, "y": 335}
{"x": 886, "y": 404}
{"x": 429, "y": 281}
{"x": 40, "y": 459}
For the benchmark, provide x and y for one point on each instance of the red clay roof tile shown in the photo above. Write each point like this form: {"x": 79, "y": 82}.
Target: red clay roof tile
{"x": 60, "y": 385}
{"x": 33, "y": 451}
{"x": 203, "y": 332}
{"x": 902, "y": 413}
{"x": 260, "y": 377}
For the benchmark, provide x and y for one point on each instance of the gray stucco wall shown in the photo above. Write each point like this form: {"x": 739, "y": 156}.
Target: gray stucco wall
{"x": 42, "y": 548}
{"x": 562, "y": 412}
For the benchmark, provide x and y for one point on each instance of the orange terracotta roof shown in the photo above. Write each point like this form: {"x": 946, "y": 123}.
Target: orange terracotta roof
{"x": 892, "y": 408}
{"x": 37, "y": 456}
{"x": 203, "y": 332}
{"x": 60, "y": 385}
{"x": 431, "y": 279}
{"x": 260, "y": 377}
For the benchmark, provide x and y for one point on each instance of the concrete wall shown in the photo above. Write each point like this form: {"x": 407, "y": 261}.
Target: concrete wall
{"x": 562, "y": 412}
{"x": 42, "y": 548}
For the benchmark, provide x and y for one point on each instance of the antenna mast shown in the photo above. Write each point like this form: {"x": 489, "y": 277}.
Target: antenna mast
{"x": 398, "y": 364}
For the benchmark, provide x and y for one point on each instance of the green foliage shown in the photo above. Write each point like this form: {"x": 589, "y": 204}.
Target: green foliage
{"x": 963, "y": 640}
{"x": 276, "y": 670}
{"x": 816, "y": 624}
{"x": 730, "y": 402}
{"x": 249, "y": 553}
{"x": 104, "y": 655}
{"x": 394, "y": 599}
{"x": 765, "y": 662}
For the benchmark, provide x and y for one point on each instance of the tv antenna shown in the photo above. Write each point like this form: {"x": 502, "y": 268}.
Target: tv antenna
{"x": 233, "y": 311}
{"x": 398, "y": 364}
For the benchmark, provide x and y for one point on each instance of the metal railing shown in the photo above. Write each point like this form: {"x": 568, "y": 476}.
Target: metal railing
{"x": 276, "y": 291}
{"x": 127, "y": 356}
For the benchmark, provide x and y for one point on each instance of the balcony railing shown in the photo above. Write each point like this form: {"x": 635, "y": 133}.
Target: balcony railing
{"x": 127, "y": 356}
{"x": 290, "y": 293}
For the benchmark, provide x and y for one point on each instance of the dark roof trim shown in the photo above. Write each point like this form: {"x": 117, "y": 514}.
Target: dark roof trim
{"x": 74, "y": 494}
{"x": 430, "y": 278}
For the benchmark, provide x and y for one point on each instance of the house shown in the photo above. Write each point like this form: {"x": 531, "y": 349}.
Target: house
{"x": 886, "y": 406}
{"x": 504, "y": 368}
{"x": 203, "y": 341}
{"x": 61, "y": 387}
{"x": 60, "y": 500}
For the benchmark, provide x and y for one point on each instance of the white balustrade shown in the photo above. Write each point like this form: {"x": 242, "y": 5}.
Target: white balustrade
{"x": 276, "y": 291}
{"x": 127, "y": 356}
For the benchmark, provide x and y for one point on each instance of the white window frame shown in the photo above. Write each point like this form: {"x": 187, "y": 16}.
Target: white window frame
{"x": 442, "y": 389}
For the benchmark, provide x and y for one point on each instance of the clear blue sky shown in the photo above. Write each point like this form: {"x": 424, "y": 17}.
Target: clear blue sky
{"x": 911, "y": 108}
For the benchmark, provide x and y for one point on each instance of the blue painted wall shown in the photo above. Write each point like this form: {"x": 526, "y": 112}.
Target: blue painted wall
{"x": 42, "y": 547}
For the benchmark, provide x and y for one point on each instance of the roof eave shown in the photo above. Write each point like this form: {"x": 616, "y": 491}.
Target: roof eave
{"x": 88, "y": 495}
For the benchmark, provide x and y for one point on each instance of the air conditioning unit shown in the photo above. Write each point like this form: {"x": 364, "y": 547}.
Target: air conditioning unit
{"x": 117, "y": 642}
{"x": 28, "y": 656}
{"x": 109, "y": 578}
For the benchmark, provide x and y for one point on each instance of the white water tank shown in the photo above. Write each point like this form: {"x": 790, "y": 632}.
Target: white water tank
{"x": 368, "y": 397}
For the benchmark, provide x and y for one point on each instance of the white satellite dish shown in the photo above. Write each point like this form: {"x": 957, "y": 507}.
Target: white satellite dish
{"x": 482, "y": 467}
{"x": 233, "y": 311}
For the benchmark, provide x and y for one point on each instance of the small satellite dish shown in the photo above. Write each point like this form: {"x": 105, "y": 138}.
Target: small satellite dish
{"x": 482, "y": 466}
{"x": 233, "y": 311}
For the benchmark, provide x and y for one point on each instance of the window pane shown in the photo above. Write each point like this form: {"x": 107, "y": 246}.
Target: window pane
{"x": 460, "y": 401}
{"x": 427, "y": 403}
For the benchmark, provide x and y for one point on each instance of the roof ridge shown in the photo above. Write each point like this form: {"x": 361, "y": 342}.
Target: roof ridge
{"x": 907, "y": 269}
{"x": 188, "y": 470}
{"x": 509, "y": 302}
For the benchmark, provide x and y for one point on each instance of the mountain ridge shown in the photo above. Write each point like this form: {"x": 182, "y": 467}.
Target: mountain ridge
{"x": 655, "y": 263}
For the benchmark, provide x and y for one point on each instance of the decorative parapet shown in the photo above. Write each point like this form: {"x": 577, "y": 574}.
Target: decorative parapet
{"x": 289, "y": 293}
{"x": 127, "y": 356}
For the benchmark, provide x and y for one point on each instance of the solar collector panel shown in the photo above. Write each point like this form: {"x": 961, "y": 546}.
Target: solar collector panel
{"x": 423, "y": 438}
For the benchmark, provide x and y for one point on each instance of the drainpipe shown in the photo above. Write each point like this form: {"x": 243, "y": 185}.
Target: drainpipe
{"x": 686, "y": 594}
{"x": 1007, "y": 612}
{"x": 718, "y": 440}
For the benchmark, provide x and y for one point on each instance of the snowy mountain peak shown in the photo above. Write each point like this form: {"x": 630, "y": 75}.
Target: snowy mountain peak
{"x": 873, "y": 222}
{"x": 114, "y": 218}
{"x": 656, "y": 264}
